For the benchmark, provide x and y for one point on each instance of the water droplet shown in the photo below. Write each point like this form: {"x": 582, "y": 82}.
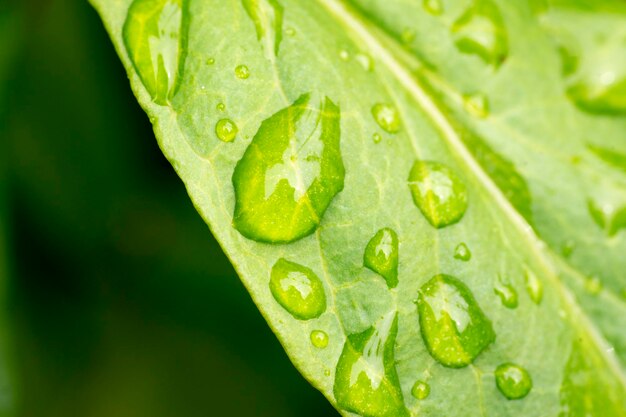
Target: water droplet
{"x": 462, "y": 252}
{"x": 481, "y": 31}
{"x": 387, "y": 117}
{"x": 210, "y": 61}
{"x": 513, "y": 381}
{"x": 290, "y": 173}
{"x": 298, "y": 289}
{"x": 377, "y": 138}
{"x": 507, "y": 294}
{"x": 420, "y": 390}
{"x": 221, "y": 106}
{"x": 242, "y": 72}
{"x": 438, "y": 193}
{"x": 593, "y": 285}
{"x": 366, "y": 61}
{"x": 344, "y": 55}
{"x": 226, "y": 130}
{"x": 366, "y": 380}
{"x": 534, "y": 287}
{"x": 319, "y": 339}
{"x": 267, "y": 16}
{"x": 454, "y": 328}
{"x": 290, "y": 32}
{"x": 153, "y": 36}
{"x": 381, "y": 255}
{"x": 567, "y": 248}
{"x": 609, "y": 216}
{"x": 327, "y": 372}
{"x": 408, "y": 36}
{"x": 476, "y": 105}
{"x": 434, "y": 7}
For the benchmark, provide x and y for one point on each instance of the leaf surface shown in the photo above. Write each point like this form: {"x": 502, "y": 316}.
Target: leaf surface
{"x": 426, "y": 200}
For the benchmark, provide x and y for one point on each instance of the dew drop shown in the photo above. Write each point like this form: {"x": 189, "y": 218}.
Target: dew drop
{"x": 319, "y": 339}
{"x": 298, "y": 290}
{"x": 226, "y": 130}
{"x": 408, "y": 36}
{"x": 568, "y": 248}
{"x": 153, "y": 35}
{"x": 534, "y": 287}
{"x": 507, "y": 294}
{"x": 365, "y": 60}
{"x": 387, "y": 117}
{"x": 609, "y": 216}
{"x": 381, "y": 256}
{"x": 210, "y": 61}
{"x": 366, "y": 380}
{"x": 462, "y": 252}
{"x": 480, "y": 31}
{"x": 377, "y": 138}
{"x": 454, "y": 328}
{"x": 434, "y": 7}
{"x": 290, "y": 31}
{"x": 344, "y": 55}
{"x": 438, "y": 193}
{"x": 476, "y": 105}
{"x": 242, "y": 72}
{"x": 290, "y": 173}
{"x": 593, "y": 285}
{"x": 221, "y": 106}
{"x": 420, "y": 390}
{"x": 513, "y": 381}
{"x": 327, "y": 372}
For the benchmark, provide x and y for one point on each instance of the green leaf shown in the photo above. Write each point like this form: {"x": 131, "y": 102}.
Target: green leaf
{"x": 486, "y": 137}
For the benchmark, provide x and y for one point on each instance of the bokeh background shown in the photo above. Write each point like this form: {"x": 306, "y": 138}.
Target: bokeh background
{"x": 119, "y": 302}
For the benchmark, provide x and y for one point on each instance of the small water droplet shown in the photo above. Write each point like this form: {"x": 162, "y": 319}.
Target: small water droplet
{"x": 593, "y": 285}
{"x": 476, "y": 105}
{"x": 290, "y": 31}
{"x": 381, "y": 256}
{"x": 438, "y": 192}
{"x": 210, "y": 61}
{"x": 377, "y": 138}
{"x": 153, "y": 36}
{"x": 608, "y": 215}
{"x": 507, "y": 294}
{"x": 513, "y": 381}
{"x": 434, "y": 7}
{"x": 567, "y": 248}
{"x": 366, "y": 380}
{"x": 481, "y": 31}
{"x": 387, "y": 117}
{"x": 534, "y": 286}
{"x": 365, "y": 60}
{"x": 226, "y": 130}
{"x": 408, "y": 36}
{"x": 290, "y": 173}
{"x": 242, "y": 72}
{"x": 319, "y": 339}
{"x": 420, "y": 390}
{"x": 221, "y": 106}
{"x": 344, "y": 55}
{"x": 327, "y": 372}
{"x": 298, "y": 290}
{"x": 462, "y": 252}
{"x": 453, "y": 326}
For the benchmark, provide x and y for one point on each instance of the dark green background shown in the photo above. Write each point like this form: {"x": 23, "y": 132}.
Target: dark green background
{"x": 120, "y": 301}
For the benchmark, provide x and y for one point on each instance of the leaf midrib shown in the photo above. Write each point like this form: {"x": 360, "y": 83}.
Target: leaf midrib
{"x": 375, "y": 40}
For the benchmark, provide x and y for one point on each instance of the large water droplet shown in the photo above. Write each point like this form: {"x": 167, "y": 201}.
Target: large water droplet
{"x": 319, "y": 339}
{"x": 462, "y": 252}
{"x": 366, "y": 380}
{"x": 420, "y": 390}
{"x": 452, "y": 324}
{"x": 381, "y": 255}
{"x": 387, "y": 117}
{"x": 434, "y": 7}
{"x": 513, "y": 381}
{"x": 534, "y": 287}
{"x": 365, "y": 60}
{"x": 226, "y": 130}
{"x": 507, "y": 294}
{"x": 608, "y": 215}
{"x": 267, "y": 16}
{"x": 242, "y": 72}
{"x": 481, "y": 31}
{"x": 298, "y": 289}
{"x": 477, "y": 105}
{"x": 290, "y": 173}
{"x": 438, "y": 193}
{"x": 154, "y": 38}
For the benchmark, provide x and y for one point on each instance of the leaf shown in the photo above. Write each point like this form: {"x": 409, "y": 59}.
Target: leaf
{"x": 479, "y": 132}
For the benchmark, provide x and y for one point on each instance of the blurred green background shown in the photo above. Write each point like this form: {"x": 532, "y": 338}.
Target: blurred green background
{"x": 119, "y": 301}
